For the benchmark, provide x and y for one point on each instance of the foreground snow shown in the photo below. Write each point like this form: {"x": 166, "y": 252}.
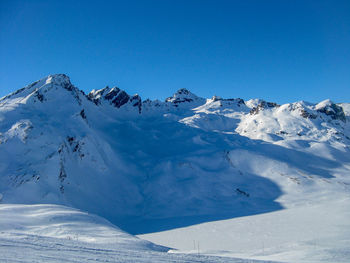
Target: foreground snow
{"x": 309, "y": 232}
{"x": 51, "y": 233}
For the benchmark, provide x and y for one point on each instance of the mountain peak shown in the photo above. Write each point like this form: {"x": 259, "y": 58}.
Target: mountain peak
{"x": 61, "y": 80}
{"x": 332, "y": 110}
{"x": 58, "y": 79}
{"x": 114, "y": 96}
{"x": 183, "y": 91}
{"x": 183, "y": 95}
{"x": 38, "y": 90}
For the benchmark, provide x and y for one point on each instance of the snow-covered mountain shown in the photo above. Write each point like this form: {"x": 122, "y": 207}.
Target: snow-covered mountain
{"x": 148, "y": 166}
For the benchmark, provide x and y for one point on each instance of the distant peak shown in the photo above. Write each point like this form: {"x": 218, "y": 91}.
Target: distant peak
{"x": 42, "y": 86}
{"x": 61, "y": 80}
{"x": 57, "y": 78}
{"x": 114, "y": 96}
{"x": 183, "y": 91}
{"x": 182, "y": 95}
{"x": 262, "y": 106}
{"x": 216, "y": 98}
{"x": 324, "y": 103}
{"x": 331, "y": 109}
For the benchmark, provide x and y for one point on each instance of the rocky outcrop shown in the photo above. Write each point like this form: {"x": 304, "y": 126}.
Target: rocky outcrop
{"x": 263, "y": 105}
{"x": 302, "y": 109}
{"x": 136, "y": 102}
{"x": 115, "y": 97}
{"x": 121, "y": 99}
{"x": 184, "y": 97}
{"x": 332, "y": 110}
{"x": 239, "y": 101}
{"x": 112, "y": 93}
{"x": 307, "y": 115}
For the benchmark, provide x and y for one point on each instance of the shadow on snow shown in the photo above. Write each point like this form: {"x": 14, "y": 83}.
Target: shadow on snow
{"x": 202, "y": 192}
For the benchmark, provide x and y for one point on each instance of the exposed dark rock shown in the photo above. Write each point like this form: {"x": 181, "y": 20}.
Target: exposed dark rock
{"x": 178, "y": 100}
{"x": 70, "y": 140}
{"x": 334, "y": 111}
{"x": 304, "y": 112}
{"x": 307, "y": 115}
{"x": 62, "y": 176}
{"x": 113, "y": 92}
{"x": 68, "y": 86}
{"x": 254, "y": 111}
{"x": 116, "y": 97}
{"x": 240, "y": 101}
{"x": 120, "y": 99}
{"x": 155, "y": 103}
{"x": 136, "y": 102}
{"x": 60, "y": 149}
{"x": 75, "y": 146}
{"x": 241, "y": 192}
{"x": 183, "y": 91}
{"x": 263, "y": 105}
{"x": 271, "y": 104}
{"x": 39, "y": 96}
{"x": 96, "y": 101}
{"x": 92, "y": 96}
{"x": 82, "y": 114}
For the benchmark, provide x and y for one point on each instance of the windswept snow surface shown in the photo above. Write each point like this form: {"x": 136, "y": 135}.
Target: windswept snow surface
{"x": 52, "y": 233}
{"x": 311, "y": 232}
{"x": 152, "y": 167}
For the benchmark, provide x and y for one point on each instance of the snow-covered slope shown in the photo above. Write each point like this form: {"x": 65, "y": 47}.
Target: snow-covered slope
{"x": 309, "y": 232}
{"x": 51, "y": 233}
{"x": 150, "y": 166}
{"x": 58, "y": 221}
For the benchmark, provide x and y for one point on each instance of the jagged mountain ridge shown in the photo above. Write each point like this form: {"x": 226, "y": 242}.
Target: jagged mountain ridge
{"x": 138, "y": 162}
{"x": 119, "y": 98}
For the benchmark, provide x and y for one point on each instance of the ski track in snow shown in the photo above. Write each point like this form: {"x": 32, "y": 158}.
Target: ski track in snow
{"x": 41, "y": 249}
{"x": 51, "y": 233}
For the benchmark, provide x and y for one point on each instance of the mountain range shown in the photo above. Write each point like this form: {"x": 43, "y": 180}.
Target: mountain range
{"x": 150, "y": 165}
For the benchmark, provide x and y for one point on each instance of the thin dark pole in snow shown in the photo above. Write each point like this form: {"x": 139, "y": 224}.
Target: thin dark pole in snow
{"x": 198, "y": 248}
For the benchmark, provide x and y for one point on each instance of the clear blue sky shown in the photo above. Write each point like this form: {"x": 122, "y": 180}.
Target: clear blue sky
{"x": 281, "y": 51}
